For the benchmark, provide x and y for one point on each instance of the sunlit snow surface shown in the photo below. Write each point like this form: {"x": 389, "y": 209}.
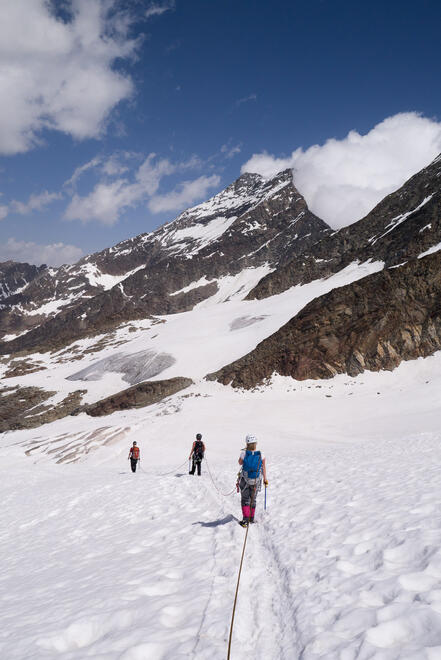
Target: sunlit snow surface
{"x": 344, "y": 564}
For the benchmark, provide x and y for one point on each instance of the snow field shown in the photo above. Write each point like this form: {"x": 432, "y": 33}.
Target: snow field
{"x": 344, "y": 564}
{"x": 200, "y": 341}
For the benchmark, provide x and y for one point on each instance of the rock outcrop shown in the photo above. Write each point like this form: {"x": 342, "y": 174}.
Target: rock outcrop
{"x": 15, "y": 276}
{"x": 25, "y": 408}
{"x": 253, "y": 223}
{"x": 402, "y": 226}
{"x": 138, "y": 396}
{"x": 373, "y": 323}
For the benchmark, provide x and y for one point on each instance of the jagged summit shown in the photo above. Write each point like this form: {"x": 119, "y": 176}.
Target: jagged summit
{"x": 252, "y": 225}
{"x": 404, "y": 225}
{"x": 16, "y": 276}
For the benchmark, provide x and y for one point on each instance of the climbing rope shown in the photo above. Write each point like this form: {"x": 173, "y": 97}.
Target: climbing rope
{"x": 164, "y": 474}
{"x": 235, "y": 596}
{"x": 214, "y": 483}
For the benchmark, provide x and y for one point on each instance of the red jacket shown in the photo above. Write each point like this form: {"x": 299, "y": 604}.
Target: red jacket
{"x": 134, "y": 453}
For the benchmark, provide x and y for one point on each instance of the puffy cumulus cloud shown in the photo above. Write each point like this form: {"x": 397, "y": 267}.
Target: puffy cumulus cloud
{"x": 59, "y": 74}
{"x": 54, "y": 254}
{"x": 342, "y": 180}
{"x": 110, "y": 197}
{"x": 184, "y": 195}
{"x": 103, "y": 204}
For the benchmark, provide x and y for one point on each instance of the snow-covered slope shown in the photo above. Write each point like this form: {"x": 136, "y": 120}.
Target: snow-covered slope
{"x": 190, "y": 344}
{"x": 251, "y": 224}
{"x": 344, "y": 562}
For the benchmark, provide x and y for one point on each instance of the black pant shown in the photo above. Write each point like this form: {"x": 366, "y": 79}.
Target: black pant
{"x": 196, "y": 462}
{"x": 133, "y": 462}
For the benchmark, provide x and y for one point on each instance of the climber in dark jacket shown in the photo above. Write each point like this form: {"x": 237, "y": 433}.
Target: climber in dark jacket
{"x": 197, "y": 454}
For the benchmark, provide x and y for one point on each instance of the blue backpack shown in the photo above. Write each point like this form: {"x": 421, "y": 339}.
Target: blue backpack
{"x": 252, "y": 464}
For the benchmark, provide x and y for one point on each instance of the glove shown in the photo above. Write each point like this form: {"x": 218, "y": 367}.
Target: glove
{"x": 266, "y": 483}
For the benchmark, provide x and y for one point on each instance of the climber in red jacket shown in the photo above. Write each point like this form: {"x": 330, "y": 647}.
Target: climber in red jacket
{"x": 134, "y": 455}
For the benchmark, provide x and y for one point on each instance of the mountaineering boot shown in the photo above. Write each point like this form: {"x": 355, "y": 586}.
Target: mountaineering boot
{"x": 251, "y": 520}
{"x": 244, "y": 522}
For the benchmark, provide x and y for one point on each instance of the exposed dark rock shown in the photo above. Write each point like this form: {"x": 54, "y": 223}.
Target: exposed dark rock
{"x": 403, "y": 225}
{"x": 256, "y": 222}
{"x": 373, "y": 323}
{"x": 22, "y": 367}
{"x": 23, "y": 407}
{"x": 138, "y": 396}
{"x": 15, "y": 276}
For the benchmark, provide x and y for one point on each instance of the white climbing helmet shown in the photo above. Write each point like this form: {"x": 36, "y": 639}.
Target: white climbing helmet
{"x": 250, "y": 439}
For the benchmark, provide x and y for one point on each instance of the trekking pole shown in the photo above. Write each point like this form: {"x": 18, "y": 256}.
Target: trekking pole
{"x": 265, "y": 498}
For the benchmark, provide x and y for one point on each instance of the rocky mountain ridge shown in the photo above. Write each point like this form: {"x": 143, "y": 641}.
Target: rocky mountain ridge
{"x": 374, "y": 323}
{"x": 14, "y": 277}
{"x": 252, "y": 224}
{"x": 256, "y": 237}
{"x": 404, "y": 225}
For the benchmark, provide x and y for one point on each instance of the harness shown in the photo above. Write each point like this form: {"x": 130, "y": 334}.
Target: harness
{"x": 198, "y": 452}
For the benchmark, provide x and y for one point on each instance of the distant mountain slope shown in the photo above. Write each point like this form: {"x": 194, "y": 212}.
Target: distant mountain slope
{"x": 253, "y": 224}
{"x": 15, "y": 277}
{"x": 373, "y": 323}
{"x": 402, "y": 226}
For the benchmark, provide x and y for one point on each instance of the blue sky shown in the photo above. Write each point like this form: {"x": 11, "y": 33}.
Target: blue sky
{"x": 122, "y": 114}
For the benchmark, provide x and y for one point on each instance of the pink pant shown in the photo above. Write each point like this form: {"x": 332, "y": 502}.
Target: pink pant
{"x": 248, "y": 512}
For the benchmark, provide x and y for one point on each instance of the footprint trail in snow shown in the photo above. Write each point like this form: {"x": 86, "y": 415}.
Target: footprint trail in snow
{"x": 345, "y": 564}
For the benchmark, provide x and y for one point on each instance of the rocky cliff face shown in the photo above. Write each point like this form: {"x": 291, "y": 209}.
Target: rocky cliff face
{"x": 15, "y": 276}
{"x": 138, "y": 396}
{"x": 404, "y": 225}
{"x": 373, "y": 323}
{"x": 257, "y": 227}
{"x": 254, "y": 224}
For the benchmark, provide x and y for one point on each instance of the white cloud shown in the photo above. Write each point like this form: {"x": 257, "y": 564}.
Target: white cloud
{"x": 158, "y": 8}
{"x": 114, "y": 167}
{"x": 79, "y": 171}
{"x": 245, "y": 99}
{"x": 229, "y": 151}
{"x": 54, "y": 254}
{"x": 343, "y": 180}
{"x": 103, "y": 204}
{"x": 34, "y": 203}
{"x": 110, "y": 198}
{"x": 59, "y": 74}
{"x": 184, "y": 195}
